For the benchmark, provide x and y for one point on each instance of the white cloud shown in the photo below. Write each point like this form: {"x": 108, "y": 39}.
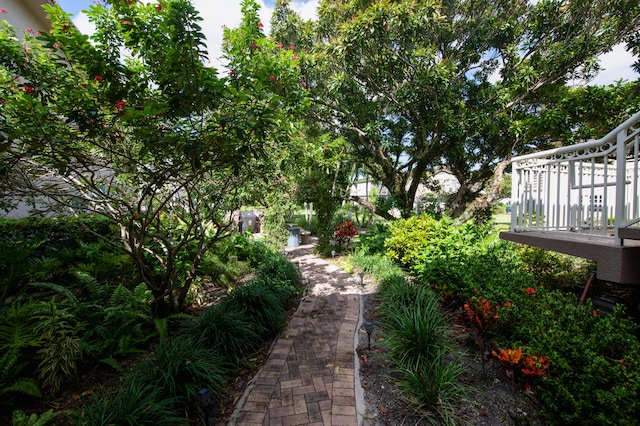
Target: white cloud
{"x": 217, "y": 13}
{"x": 616, "y": 65}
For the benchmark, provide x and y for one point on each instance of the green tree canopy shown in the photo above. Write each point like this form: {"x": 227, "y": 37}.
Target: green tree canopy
{"x": 132, "y": 124}
{"x": 420, "y": 85}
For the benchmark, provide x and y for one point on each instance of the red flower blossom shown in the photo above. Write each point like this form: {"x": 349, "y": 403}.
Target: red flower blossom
{"x": 3, "y": 11}
{"x": 232, "y": 73}
{"x": 120, "y": 106}
{"x": 303, "y": 84}
{"x": 530, "y": 290}
{"x": 65, "y": 27}
{"x": 292, "y": 47}
{"x": 254, "y": 46}
{"x": 1, "y": 101}
{"x": 27, "y": 88}
{"x": 272, "y": 78}
{"x": 125, "y": 22}
{"x": 159, "y": 6}
{"x": 97, "y": 78}
{"x": 260, "y": 25}
{"x": 30, "y": 30}
{"x": 280, "y": 46}
{"x": 507, "y": 304}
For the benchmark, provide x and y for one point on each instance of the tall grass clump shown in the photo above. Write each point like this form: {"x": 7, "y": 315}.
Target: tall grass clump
{"x": 179, "y": 368}
{"x": 136, "y": 404}
{"x": 384, "y": 270}
{"x": 417, "y": 336}
{"x": 261, "y": 305}
{"x": 228, "y": 333}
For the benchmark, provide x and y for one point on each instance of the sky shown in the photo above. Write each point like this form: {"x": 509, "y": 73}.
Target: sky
{"x": 216, "y": 13}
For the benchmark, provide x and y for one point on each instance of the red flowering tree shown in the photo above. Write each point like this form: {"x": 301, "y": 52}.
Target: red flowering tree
{"x": 134, "y": 126}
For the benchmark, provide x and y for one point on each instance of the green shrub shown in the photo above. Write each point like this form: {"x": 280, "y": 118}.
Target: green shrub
{"x": 414, "y": 325}
{"x": 262, "y": 306}
{"x": 19, "y": 418}
{"x": 136, "y": 404}
{"x": 18, "y": 343}
{"x": 179, "y": 368}
{"x": 594, "y": 364}
{"x": 372, "y": 242}
{"x": 423, "y": 239}
{"x": 59, "y": 339}
{"x": 227, "y": 332}
{"x": 418, "y": 335}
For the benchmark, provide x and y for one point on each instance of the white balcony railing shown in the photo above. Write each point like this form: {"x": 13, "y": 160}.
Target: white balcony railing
{"x": 590, "y": 188}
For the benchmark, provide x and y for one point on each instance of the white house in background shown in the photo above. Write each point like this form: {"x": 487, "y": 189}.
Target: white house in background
{"x": 444, "y": 181}
{"x": 26, "y": 14}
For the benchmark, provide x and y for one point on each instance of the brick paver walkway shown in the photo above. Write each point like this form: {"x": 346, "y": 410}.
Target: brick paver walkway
{"x": 309, "y": 377}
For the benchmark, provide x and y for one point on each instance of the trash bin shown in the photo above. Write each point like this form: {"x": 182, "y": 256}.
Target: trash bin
{"x": 249, "y": 223}
{"x": 294, "y": 237}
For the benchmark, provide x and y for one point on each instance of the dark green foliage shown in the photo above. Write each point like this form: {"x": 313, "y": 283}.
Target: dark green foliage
{"x": 179, "y": 368}
{"x": 227, "y": 332}
{"x": 263, "y": 306}
{"x": 417, "y": 335}
{"x": 18, "y": 343}
{"x": 372, "y": 241}
{"x": 54, "y": 249}
{"x": 120, "y": 324}
{"x": 278, "y": 274}
{"x": 138, "y": 403}
{"x": 221, "y": 269}
{"x": 19, "y": 418}
{"x": 594, "y": 363}
{"x": 59, "y": 339}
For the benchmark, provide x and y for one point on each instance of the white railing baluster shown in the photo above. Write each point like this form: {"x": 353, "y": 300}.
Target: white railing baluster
{"x": 601, "y": 186}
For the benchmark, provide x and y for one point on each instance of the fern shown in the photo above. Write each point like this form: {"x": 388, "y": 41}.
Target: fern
{"x": 112, "y": 362}
{"x": 58, "y": 289}
{"x": 10, "y": 369}
{"x": 16, "y": 326}
{"x": 162, "y": 327}
{"x": 19, "y": 418}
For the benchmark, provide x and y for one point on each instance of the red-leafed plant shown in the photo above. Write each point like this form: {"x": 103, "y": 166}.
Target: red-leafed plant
{"x": 531, "y": 366}
{"x": 511, "y": 359}
{"x": 534, "y": 366}
{"x": 484, "y": 317}
{"x": 345, "y": 232}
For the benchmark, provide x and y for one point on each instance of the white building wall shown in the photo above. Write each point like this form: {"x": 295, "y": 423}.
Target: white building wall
{"x": 23, "y": 14}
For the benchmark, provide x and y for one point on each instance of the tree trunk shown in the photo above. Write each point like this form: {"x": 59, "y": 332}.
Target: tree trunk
{"x": 371, "y": 207}
{"x": 486, "y": 199}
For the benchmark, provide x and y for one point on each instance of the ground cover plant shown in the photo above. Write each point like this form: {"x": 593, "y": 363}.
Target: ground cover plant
{"x": 56, "y": 334}
{"x": 581, "y": 363}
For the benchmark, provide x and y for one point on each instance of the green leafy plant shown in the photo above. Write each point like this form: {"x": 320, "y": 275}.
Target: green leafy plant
{"x": 137, "y": 403}
{"x": 19, "y": 418}
{"x": 59, "y": 339}
{"x": 227, "y": 332}
{"x": 344, "y": 233}
{"x": 18, "y": 343}
{"x": 260, "y": 305}
{"x": 416, "y": 333}
{"x": 179, "y": 368}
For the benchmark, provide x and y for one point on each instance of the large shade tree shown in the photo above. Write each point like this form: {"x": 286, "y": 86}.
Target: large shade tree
{"x": 131, "y": 124}
{"x": 418, "y": 86}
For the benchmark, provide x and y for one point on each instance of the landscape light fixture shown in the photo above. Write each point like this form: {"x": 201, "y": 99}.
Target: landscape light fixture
{"x": 333, "y": 254}
{"x": 369, "y": 328}
{"x": 203, "y": 398}
{"x": 361, "y": 274}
